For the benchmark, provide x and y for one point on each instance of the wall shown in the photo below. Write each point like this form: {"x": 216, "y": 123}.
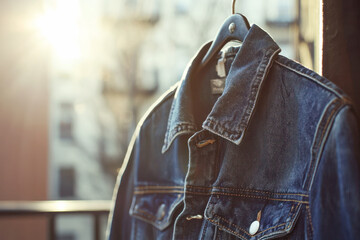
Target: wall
{"x": 23, "y": 117}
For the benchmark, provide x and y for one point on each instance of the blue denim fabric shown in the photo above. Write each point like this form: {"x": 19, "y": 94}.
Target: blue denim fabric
{"x": 279, "y": 146}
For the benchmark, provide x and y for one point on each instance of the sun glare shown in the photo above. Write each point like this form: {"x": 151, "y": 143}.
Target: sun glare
{"x": 60, "y": 27}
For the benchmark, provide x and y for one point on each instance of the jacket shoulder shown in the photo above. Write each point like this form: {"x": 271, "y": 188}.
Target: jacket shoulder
{"x": 159, "y": 104}
{"x": 310, "y": 75}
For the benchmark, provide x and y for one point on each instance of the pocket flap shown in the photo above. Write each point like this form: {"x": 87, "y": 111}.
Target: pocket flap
{"x": 237, "y": 215}
{"x": 155, "y": 206}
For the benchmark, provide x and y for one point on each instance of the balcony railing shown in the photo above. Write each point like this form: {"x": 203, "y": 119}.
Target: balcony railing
{"x": 52, "y": 209}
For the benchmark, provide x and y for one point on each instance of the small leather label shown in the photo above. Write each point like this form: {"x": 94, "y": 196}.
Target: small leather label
{"x": 220, "y": 66}
{"x": 217, "y": 85}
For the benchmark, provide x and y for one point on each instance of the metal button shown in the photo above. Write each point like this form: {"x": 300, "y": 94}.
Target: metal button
{"x": 194, "y": 217}
{"x": 161, "y": 212}
{"x": 254, "y": 227}
{"x": 204, "y": 143}
{"x": 232, "y": 27}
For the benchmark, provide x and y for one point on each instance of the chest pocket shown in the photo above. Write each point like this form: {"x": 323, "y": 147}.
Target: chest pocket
{"x": 156, "y": 205}
{"x": 253, "y": 217}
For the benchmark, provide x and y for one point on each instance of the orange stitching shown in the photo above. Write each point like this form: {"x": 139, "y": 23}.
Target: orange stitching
{"x": 204, "y": 230}
{"x": 315, "y": 156}
{"x": 236, "y": 226}
{"x": 224, "y": 188}
{"x": 147, "y": 214}
{"x": 321, "y": 82}
{"x": 158, "y": 191}
{"x": 217, "y": 233}
{"x": 203, "y": 188}
{"x": 269, "y": 229}
{"x": 249, "y": 190}
{"x": 297, "y": 206}
{"x": 235, "y": 233}
{"x": 282, "y": 223}
{"x": 198, "y": 193}
{"x": 260, "y": 197}
{"x": 158, "y": 187}
{"x": 218, "y": 193}
{"x": 329, "y": 119}
{"x": 310, "y": 219}
{"x": 292, "y": 208}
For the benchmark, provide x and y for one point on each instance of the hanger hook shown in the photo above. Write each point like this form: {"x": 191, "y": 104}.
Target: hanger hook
{"x": 233, "y": 6}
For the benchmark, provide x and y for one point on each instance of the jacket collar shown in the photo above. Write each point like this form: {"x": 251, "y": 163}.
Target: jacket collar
{"x": 232, "y": 111}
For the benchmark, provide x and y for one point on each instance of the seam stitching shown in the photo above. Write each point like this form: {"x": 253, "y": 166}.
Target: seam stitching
{"x": 310, "y": 220}
{"x": 174, "y": 132}
{"x": 227, "y": 221}
{"x": 220, "y": 193}
{"x": 158, "y": 187}
{"x": 260, "y": 197}
{"x": 319, "y": 138}
{"x": 221, "y": 188}
{"x": 156, "y": 191}
{"x": 256, "y": 85}
{"x": 145, "y": 214}
{"x": 235, "y": 233}
{"x": 261, "y": 71}
{"x": 312, "y": 78}
{"x": 249, "y": 190}
{"x": 204, "y": 230}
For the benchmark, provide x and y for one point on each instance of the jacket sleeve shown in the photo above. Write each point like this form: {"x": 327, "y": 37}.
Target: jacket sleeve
{"x": 334, "y": 208}
{"x": 118, "y": 222}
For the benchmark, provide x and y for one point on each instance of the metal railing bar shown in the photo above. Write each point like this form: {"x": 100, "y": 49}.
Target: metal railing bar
{"x": 51, "y": 209}
{"x": 9, "y": 208}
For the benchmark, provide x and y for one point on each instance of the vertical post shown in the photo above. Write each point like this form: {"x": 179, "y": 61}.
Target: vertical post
{"x": 52, "y": 227}
{"x": 96, "y": 226}
{"x": 341, "y": 37}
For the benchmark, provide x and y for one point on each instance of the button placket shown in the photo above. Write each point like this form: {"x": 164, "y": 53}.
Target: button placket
{"x": 200, "y": 173}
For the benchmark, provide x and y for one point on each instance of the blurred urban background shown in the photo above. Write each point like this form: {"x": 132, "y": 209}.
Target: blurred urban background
{"x": 77, "y": 75}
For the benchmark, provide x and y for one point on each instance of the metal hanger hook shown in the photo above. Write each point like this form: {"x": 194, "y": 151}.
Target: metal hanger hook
{"x": 233, "y": 6}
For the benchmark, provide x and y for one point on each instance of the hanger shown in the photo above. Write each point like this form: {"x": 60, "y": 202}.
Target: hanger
{"x": 235, "y": 27}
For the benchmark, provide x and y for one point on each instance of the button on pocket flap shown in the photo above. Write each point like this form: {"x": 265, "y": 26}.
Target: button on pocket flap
{"x": 252, "y": 217}
{"x": 155, "y": 206}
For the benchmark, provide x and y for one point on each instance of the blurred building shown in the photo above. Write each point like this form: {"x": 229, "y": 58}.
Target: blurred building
{"x": 77, "y": 75}
{"x": 84, "y": 139}
{"x": 116, "y": 58}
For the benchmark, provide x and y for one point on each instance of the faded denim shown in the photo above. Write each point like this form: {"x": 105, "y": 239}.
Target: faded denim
{"x": 280, "y": 145}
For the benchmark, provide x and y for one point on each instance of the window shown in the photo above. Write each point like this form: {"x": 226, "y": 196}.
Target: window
{"x": 67, "y": 236}
{"x": 67, "y": 182}
{"x": 66, "y": 121}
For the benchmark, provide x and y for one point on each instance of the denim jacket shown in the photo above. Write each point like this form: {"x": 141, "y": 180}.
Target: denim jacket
{"x": 274, "y": 156}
